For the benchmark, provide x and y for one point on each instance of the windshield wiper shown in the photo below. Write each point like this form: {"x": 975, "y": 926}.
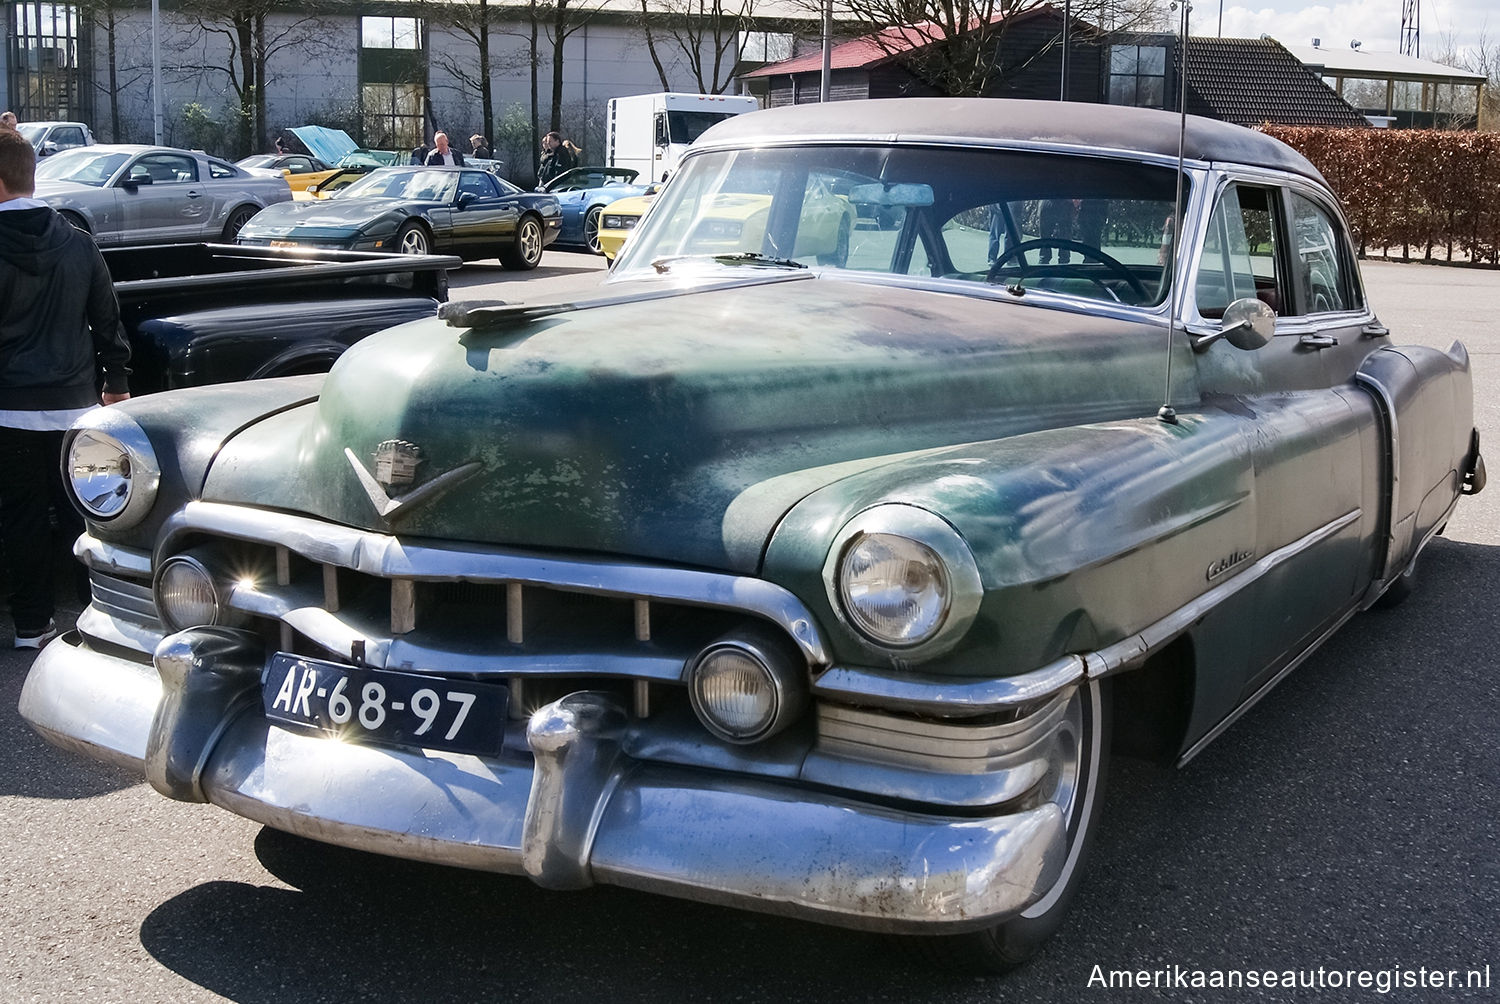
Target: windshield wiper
{"x": 732, "y": 258}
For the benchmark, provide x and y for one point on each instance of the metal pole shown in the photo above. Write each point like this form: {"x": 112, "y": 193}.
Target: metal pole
{"x": 156, "y": 70}
{"x": 827, "y": 50}
{"x": 1062, "y": 89}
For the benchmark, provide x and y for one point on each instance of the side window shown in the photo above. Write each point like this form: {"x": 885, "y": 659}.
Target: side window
{"x": 67, "y": 137}
{"x": 216, "y": 169}
{"x": 477, "y": 183}
{"x": 166, "y": 168}
{"x": 1239, "y": 256}
{"x": 1320, "y": 272}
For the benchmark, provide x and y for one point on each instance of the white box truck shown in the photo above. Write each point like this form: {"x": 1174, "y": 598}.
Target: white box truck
{"x": 650, "y": 132}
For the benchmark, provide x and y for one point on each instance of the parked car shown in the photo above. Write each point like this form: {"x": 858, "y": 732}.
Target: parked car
{"x": 823, "y": 589}
{"x": 333, "y": 183}
{"x": 417, "y": 210}
{"x": 152, "y": 194}
{"x": 583, "y": 193}
{"x": 299, "y": 169}
{"x": 47, "y": 138}
{"x": 618, "y": 219}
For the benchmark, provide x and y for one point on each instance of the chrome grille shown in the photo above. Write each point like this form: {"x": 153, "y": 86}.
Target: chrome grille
{"x": 127, "y": 599}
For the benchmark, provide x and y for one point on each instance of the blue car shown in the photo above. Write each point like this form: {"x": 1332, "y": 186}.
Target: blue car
{"x": 584, "y": 192}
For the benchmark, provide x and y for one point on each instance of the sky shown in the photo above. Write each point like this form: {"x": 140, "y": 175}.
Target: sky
{"x": 1375, "y": 23}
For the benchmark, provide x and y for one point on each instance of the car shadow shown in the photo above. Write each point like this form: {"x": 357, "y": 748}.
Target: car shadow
{"x": 1346, "y": 821}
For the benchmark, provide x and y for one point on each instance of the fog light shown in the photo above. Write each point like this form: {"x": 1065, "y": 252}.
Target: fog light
{"x": 186, "y": 594}
{"x": 744, "y": 691}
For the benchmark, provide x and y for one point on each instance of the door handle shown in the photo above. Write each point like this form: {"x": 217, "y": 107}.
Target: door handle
{"x": 194, "y": 195}
{"x": 1317, "y": 341}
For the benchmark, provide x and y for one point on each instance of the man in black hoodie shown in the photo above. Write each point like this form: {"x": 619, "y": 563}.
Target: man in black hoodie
{"x": 60, "y": 333}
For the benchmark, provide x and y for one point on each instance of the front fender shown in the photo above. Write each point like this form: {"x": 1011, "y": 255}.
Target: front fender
{"x": 1083, "y": 535}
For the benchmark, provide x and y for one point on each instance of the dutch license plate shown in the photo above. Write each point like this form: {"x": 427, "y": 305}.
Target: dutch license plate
{"x": 385, "y": 706}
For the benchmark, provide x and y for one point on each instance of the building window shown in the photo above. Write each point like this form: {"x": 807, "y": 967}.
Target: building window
{"x": 393, "y": 81}
{"x": 1138, "y": 75}
{"x": 45, "y": 82}
{"x": 765, "y": 47}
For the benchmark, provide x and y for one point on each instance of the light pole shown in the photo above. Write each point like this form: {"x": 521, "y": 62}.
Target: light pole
{"x": 156, "y": 70}
{"x": 827, "y": 51}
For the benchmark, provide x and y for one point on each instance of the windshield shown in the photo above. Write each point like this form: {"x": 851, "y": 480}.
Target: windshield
{"x": 85, "y": 166}
{"x": 426, "y": 186}
{"x": 259, "y": 160}
{"x": 31, "y": 133}
{"x": 1080, "y": 225}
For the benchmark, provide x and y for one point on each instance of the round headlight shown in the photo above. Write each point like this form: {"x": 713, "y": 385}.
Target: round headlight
{"x": 743, "y": 692}
{"x": 894, "y": 589}
{"x": 186, "y": 594}
{"x": 110, "y": 469}
{"x": 99, "y": 472}
{"x": 901, "y": 577}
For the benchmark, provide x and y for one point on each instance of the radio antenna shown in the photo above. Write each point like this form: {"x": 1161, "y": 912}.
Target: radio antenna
{"x": 1166, "y": 412}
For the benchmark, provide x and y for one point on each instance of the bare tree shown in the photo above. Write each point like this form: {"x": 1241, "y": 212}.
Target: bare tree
{"x": 702, "y": 34}
{"x": 479, "y": 22}
{"x": 1482, "y": 57}
{"x": 108, "y": 18}
{"x": 951, "y": 45}
{"x": 558, "y": 20}
{"x": 253, "y": 32}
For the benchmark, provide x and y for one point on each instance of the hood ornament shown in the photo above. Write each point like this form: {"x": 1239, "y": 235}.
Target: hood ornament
{"x": 396, "y": 463}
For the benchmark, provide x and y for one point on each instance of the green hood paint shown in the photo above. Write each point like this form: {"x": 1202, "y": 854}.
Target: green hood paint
{"x": 634, "y": 430}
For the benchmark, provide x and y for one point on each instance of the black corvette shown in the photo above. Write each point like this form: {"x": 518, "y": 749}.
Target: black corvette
{"x": 419, "y": 210}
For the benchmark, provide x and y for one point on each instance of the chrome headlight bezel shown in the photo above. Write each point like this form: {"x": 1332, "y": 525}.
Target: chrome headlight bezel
{"x": 962, "y": 596}
{"x": 211, "y": 582}
{"x": 141, "y": 482}
{"x": 780, "y": 676}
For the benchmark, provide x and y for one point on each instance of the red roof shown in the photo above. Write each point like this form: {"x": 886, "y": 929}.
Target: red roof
{"x": 868, "y": 50}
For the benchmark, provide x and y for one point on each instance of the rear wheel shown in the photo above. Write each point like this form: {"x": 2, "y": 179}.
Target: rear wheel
{"x": 839, "y": 257}
{"x": 236, "y": 222}
{"x": 1074, "y": 782}
{"x": 591, "y": 229}
{"x": 412, "y": 239}
{"x": 525, "y": 251}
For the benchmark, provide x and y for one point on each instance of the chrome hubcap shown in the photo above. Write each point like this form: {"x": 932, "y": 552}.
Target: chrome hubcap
{"x": 414, "y": 243}
{"x": 530, "y": 241}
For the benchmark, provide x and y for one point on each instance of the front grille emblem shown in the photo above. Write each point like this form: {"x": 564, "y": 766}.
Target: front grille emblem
{"x": 396, "y": 463}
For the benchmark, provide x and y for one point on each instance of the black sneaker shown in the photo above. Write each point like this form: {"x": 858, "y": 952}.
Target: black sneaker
{"x": 36, "y": 639}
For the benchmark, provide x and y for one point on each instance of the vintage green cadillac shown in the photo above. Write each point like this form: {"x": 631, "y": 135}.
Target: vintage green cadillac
{"x": 816, "y": 584}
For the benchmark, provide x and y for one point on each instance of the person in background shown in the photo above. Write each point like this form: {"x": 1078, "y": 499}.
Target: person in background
{"x": 280, "y": 146}
{"x": 60, "y": 337}
{"x": 419, "y": 153}
{"x": 556, "y": 158}
{"x": 8, "y": 121}
{"x": 480, "y": 148}
{"x": 442, "y": 154}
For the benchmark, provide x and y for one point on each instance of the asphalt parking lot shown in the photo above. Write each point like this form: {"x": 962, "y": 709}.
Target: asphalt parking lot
{"x": 1349, "y": 822}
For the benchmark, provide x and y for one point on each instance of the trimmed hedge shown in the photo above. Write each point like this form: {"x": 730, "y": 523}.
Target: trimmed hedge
{"x": 1414, "y": 189}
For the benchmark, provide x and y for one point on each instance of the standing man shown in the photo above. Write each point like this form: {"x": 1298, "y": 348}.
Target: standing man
{"x": 442, "y": 154}
{"x": 60, "y": 333}
{"x": 556, "y": 158}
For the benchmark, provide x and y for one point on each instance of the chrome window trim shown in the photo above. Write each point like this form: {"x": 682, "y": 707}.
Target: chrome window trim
{"x": 392, "y": 557}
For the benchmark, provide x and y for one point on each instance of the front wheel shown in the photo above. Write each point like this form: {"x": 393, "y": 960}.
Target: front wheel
{"x": 1078, "y": 762}
{"x": 591, "y": 229}
{"x": 412, "y": 239}
{"x": 525, "y": 252}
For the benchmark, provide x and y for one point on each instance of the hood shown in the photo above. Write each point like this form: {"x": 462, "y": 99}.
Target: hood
{"x": 328, "y": 145}
{"x": 323, "y": 214}
{"x": 32, "y": 240}
{"x": 678, "y": 427}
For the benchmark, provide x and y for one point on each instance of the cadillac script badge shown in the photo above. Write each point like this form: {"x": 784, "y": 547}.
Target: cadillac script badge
{"x": 396, "y": 463}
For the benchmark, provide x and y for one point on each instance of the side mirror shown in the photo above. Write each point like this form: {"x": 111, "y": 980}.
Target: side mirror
{"x": 48, "y": 148}
{"x": 135, "y": 181}
{"x": 1248, "y": 324}
{"x": 466, "y": 199}
{"x": 661, "y": 129}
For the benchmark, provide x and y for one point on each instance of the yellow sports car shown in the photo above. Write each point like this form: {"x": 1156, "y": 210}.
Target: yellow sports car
{"x": 617, "y": 221}
{"x": 734, "y": 223}
{"x": 299, "y": 169}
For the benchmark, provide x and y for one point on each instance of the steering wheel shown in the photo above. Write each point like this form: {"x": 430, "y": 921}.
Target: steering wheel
{"x": 1114, "y": 265}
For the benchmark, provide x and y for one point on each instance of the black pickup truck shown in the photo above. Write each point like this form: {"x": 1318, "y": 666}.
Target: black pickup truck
{"x": 212, "y": 313}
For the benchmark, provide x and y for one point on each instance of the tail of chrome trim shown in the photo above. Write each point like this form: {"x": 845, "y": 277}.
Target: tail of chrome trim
{"x": 945, "y": 695}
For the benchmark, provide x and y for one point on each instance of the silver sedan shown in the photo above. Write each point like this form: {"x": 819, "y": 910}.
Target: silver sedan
{"x": 153, "y": 195}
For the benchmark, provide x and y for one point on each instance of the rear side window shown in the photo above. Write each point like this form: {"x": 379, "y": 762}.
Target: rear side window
{"x": 218, "y": 169}
{"x": 1321, "y": 263}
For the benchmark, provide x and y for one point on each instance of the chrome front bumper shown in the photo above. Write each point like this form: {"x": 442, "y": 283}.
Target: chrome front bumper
{"x": 579, "y": 811}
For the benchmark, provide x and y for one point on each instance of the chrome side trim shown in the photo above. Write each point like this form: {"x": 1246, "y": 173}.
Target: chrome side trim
{"x": 1128, "y": 651}
{"x": 945, "y": 695}
{"x": 392, "y": 557}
